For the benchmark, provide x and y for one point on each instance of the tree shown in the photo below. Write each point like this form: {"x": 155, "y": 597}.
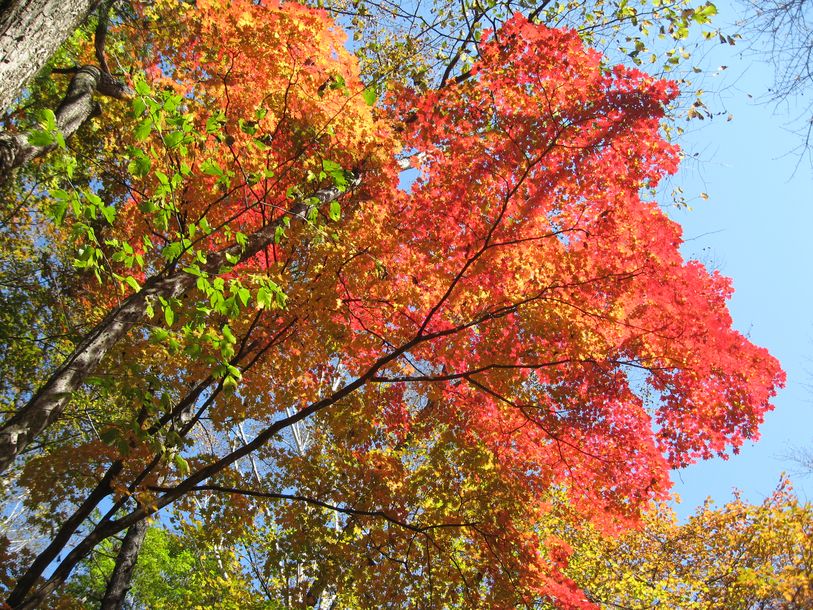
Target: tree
{"x": 519, "y": 324}
{"x": 175, "y": 571}
{"x": 30, "y": 33}
{"x": 735, "y": 556}
{"x": 78, "y": 104}
{"x": 430, "y": 47}
{"x": 787, "y": 39}
{"x": 601, "y": 22}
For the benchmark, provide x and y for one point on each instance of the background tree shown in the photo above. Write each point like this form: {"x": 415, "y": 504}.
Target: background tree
{"x": 783, "y": 31}
{"x": 735, "y": 556}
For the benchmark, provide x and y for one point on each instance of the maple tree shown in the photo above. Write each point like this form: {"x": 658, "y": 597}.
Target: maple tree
{"x": 735, "y": 556}
{"x": 277, "y": 338}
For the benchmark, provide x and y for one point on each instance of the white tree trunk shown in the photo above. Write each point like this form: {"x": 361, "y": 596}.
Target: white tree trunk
{"x": 30, "y": 32}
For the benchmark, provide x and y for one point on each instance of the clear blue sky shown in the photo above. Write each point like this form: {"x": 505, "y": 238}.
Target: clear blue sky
{"x": 756, "y": 228}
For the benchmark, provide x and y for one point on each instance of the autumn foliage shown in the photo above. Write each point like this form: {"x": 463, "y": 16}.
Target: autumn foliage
{"x": 394, "y": 386}
{"x": 735, "y": 556}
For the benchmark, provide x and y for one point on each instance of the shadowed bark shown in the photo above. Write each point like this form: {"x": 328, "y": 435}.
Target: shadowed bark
{"x": 52, "y": 397}
{"x": 119, "y": 582}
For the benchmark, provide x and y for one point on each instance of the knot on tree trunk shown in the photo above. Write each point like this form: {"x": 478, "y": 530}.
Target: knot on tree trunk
{"x": 111, "y": 87}
{"x": 76, "y": 107}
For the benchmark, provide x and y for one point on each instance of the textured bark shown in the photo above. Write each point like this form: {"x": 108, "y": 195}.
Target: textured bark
{"x": 30, "y": 32}
{"x": 119, "y": 582}
{"x": 102, "y": 490}
{"x": 77, "y": 107}
{"x": 50, "y": 400}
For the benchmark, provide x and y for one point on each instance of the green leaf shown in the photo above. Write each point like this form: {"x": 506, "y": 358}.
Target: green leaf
{"x": 335, "y": 212}
{"x": 229, "y": 385}
{"x": 338, "y": 83}
{"x": 370, "y": 96}
{"x": 109, "y": 213}
{"x": 48, "y": 119}
{"x": 93, "y": 198}
{"x": 249, "y": 127}
{"x": 142, "y": 131}
{"x": 40, "y": 138}
{"x": 138, "y": 107}
{"x": 195, "y": 270}
{"x": 263, "y": 298}
{"x": 132, "y": 283}
{"x": 58, "y": 210}
{"x": 169, "y": 315}
{"x": 181, "y": 464}
{"x": 173, "y": 139}
{"x": 140, "y": 165}
{"x": 331, "y": 166}
{"x": 70, "y": 166}
{"x": 279, "y": 233}
{"x": 141, "y": 87}
{"x": 172, "y": 251}
{"x": 335, "y": 171}
{"x": 243, "y": 294}
{"x": 215, "y": 123}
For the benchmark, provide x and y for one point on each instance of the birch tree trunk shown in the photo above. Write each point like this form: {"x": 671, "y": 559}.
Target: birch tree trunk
{"x": 30, "y": 32}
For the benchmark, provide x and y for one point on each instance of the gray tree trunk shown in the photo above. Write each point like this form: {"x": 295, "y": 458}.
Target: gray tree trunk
{"x": 77, "y": 107}
{"x": 119, "y": 583}
{"x": 30, "y": 32}
{"x": 50, "y": 400}
{"x": 63, "y": 535}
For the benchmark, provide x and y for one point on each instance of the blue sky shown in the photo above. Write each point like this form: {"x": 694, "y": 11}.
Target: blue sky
{"x": 755, "y": 228}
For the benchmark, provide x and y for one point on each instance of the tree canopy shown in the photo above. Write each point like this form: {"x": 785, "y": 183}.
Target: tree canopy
{"x": 345, "y": 391}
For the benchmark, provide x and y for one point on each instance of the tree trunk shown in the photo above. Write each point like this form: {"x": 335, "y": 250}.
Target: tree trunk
{"x": 126, "y": 559}
{"x": 30, "y": 32}
{"x": 52, "y": 397}
{"x": 77, "y": 107}
{"x": 63, "y": 537}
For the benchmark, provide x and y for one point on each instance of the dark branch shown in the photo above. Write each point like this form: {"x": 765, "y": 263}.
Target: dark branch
{"x": 421, "y": 529}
